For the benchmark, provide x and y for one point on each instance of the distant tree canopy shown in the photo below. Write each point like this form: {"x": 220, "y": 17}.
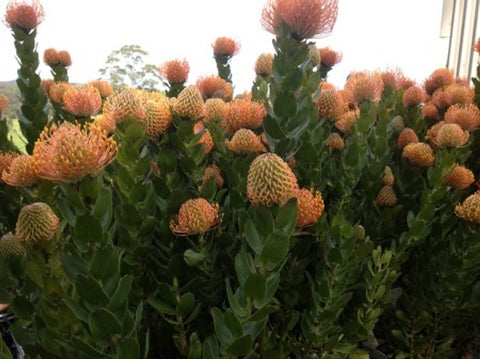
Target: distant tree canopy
{"x": 126, "y": 67}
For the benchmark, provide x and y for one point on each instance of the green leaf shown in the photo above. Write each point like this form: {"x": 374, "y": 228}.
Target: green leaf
{"x": 285, "y": 105}
{"x": 103, "y": 324}
{"x": 121, "y": 293}
{"x": 34, "y": 272}
{"x": 102, "y": 209}
{"x": 210, "y": 348}
{"x": 193, "y": 258}
{"x": 233, "y": 324}
{"x": 272, "y": 128}
{"x": 255, "y": 286}
{"x": 186, "y": 304}
{"x": 244, "y": 266}
{"x": 195, "y": 347}
{"x": 287, "y": 217}
{"x": 128, "y": 349}
{"x": 105, "y": 263}
{"x": 263, "y": 221}
{"x": 79, "y": 311}
{"x": 160, "y": 306}
{"x": 88, "y": 229}
{"x": 90, "y": 290}
{"x": 275, "y": 250}
{"x": 252, "y": 237}
{"x": 90, "y": 186}
{"x": 241, "y": 346}
{"x": 221, "y": 329}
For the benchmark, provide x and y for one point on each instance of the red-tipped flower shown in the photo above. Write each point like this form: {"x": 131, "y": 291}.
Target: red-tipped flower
{"x": 175, "y": 71}
{"x": 329, "y": 57}
{"x": 25, "y": 15}
{"x": 225, "y": 46}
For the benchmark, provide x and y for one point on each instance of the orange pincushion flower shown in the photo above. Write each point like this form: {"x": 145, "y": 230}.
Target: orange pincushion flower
{"x": 420, "y": 154}
{"x": 25, "y": 15}
{"x": 386, "y": 197}
{"x": 215, "y": 110}
{"x": 10, "y": 246}
{"x": 440, "y": 99}
{"x": 346, "y": 121}
{"x": 406, "y": 137}
{"x": 103, "y": 88}
{"x": 457, "y": 94}
{"x": 190, "y": 103}
{"x": 432, "y": 132}
{"x": 5, "y": 160}
{"x": 392, "y": 78}
{"x": 36, "y": 222}
{"x": 46, "y": 85}
{"x": 430, "y": 111}
{"x": 196, "y": 216}
{"x": 245, "y": 141}
{"x": 243, "y": 114}
{"x": 68, "y": 153}
{"x": 413, "y": 96}
{"x": 335, "y": 142}
{"x": 158, "y": 117}
{"x": 467, "y": 116}
{"x": 225, "y": 46}
{"x": 206, "y": 138}
{"x": 215, "y": 87}
{"x": 306, "y": 18}
{"x": 459, "y": 177}
{"x": 270, "y": 181}
{"x": 364, "y": 86}
{"x": 125, "y": 105}
{"x": 212, "y": 172}
{"x": 264, "y": 65}
{"x": 82, "y": 101}
{"x": 469, "y": 210}
{"x": 310, "y": 207}
{"x": 64, "y": 58}
{"x": 104, "y": 122}
{"x": 329, "y": 57}
{"x": 52, "y": 57}
{"x": 451, "y": 135}
{"x": 388, "y": 177}
{"x": 439, "y": 78}
{"x": 57, "y": 91}
{"x": 4, "y": 102}
{"x": 22, "y": 172}
{"x": 175, "y": 71}
{"x": 330, "y": 104}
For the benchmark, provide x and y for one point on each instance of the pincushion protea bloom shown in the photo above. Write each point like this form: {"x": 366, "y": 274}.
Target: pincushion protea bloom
{"x": 125, "y": 105}
{"x": 264, "y": 65}
{"x": 52, "y": 57}
{"x": 190, "y": 103}
{"x": 306, "y": 19}
{"x": 451, "y": 135}
{"x": 439, "y": 78}
{"x": 245, "y": 141}
{"x": 4, "y": 102}
{"x": 329, "y": 57}
{"x": 243, "y": 114}
{"x": 310, "y": 207}
{"x": 196, "y": 216}
{"x": 10, "y": 246}
{"x": 5, "y": 160}
{"x": 330, "y": 104}
{"x": 270, "y": 181}
{"x": 215, "y": 110}
{"x": 406, "y": 137}
{"x": 469, "y": 210}
{"x": 103, "y": 88}
{"x": 57, "y": 90}
{"x": 206, "y": 138}
{"x": 413, "y": 96}
{"x": 467, "y": 116}
{"x": 335, "y": 141}
{"x": 388, "y": 177}
{"x": 215, "y": 87}
{"x": 104, "y": 122}
{"x": 225, "y": 46}
{"x": 391, "y": 78}
{"x": 158, "y": 117}
{"x": 212, "y": 172}
{"x": 25, "y": 15}
{"x": 439, "y": 98}
{"x": 430, "y": 111}
{"x": 459, "y": 177}
{"x": 22, "y": 172}
{"x": 386, "y": 197}
{"x": 68, "y": 153}
{"x": 36, "y": 222}
{"x": 364, "y": 86}
{"x": 420, "y": 154}
{"x": 175, "y": 71}
{"x": 456, "y": 94}
{"x": 83, "y": 101}
{"x": 346, "y": 121}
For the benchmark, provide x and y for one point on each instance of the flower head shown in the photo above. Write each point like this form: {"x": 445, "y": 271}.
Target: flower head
{"x": 391, "y": 78}
{"x": 467, "y": 116}
{"x": 36, "y": 222}
{"x": 335, "y": 141}
{"x": 10, "y": 246}
{"x": 364, "y": 86}
{"x": 330, "y": 104}
{"x": 212, "y": 172}
{"x": 388, "y": 177}
{"x": 206, "y": 137}
{"x": 243, "y": 114}
{"x": 52, "y": 58}
{"x": 451, "y": 135}
{"x": 25, "y": 15}
{"x": 386, "y": 197}
{"x": 413, "y": 96}
{"x": 457, "y": 94}
{"x": 175, "y": 71}
{"x": 469, "y": 210}
{"x": 306, "y": 19}
{"x": 103, "y": 88}
{"x": 190, "y": 103}
{"x": 329, "y": 57}
{"x": 270, "y": 181}
{"x": 5, "y": 160}
{"x": 439, "y": 78}
{"x": 215, "y": 110}
{"x": 420, "y": 154}
{"x": 346, "y": 121}
{"x": 406, "y": 137}
{"x": 215, "y": 87}
{"x": 245, "y": 141}
{"x": 104, "y": 122}
{"x": 459, "y": 177}
{"x": 22, "y": 172}
{"x": 225, "y": 46}
{"x": 83, "y": 101}
{"x": 430, "y": 111}
{"x": 158, "y": 117}
{"x": 125, "y": 105}
{"x": 310, "y": 207}
{"x": 264, "y": 65}
{"x": 57, "y": 90}
{"x": 196, "y": 216}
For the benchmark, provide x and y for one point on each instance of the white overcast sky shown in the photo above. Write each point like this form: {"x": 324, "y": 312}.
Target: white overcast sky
{"x": 371, "y": 34}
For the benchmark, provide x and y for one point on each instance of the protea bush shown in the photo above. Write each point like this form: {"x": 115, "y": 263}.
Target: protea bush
{"x": 298, "y": 221}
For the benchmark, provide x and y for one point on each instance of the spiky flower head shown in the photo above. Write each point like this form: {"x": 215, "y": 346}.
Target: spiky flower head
{"x": 405, "y": 83}
{"x": 364, "y": 86}
{"x": 104, "y": 122}
{"x": 46, "y": 85}
{"x": 388, "y": 177}
{"x": 57, "y": 91}
{"x": 270, "y": 181}
{"x": 329, "y": 57}
{"x": 451, "y": 135}
{"x": 212, "y": 172}
{"x": 457, "y": 94}
{"x": 469, "y": 210}
{"x": 10, "y": 246}
{"x": 225, "y": 46}
{"x": 215, "y": 87}
{"x": 103, "y": 88}
{"x": 346, "y": 121}
{"x": 306, "y": 19}
{"x": 439, "y": 78}
{"x": 22, "y": 172}
{"x": 459, "y": 177}
{"x": 158, "y": 117}
{"x": 420, "y": 154}
{"x": 196, "y": 216}
{"x": 391, "y": 78}
{"x": 4, "y": 102}
{"x": 82, "y": 101}
{"x": 245, "y": 141}
{"x": 36, "y": 222}
{"x": 467, "y": 116}
{"x": 125, "y": 105}
{"x": 432, "y": 133}
{"x": 215, "y": 110}
{"x": 335, "y": 141}
{"x": 310, "y": 207}
{"x": 430, "y": 111}
{"x": 206, "y": 137}
{"x": 406, "y": 137}
{"x": 413, "y": 96}
{"x": 5, "y": 160}
{"x": 439, "y": 98}
{"x": 330, "y": 104}
{"x": 52, "y": 58}
{"x": 25, "y": 15}
{"x": 175, "y": 71}
{"x": 190, "y": 103}
{"x": 386, "y": 197}
{"x": 264, "y": 65}
{"x": 314, "y": 54}
{"x": 243, "y": 114}
{"x": 68, "y": 152}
